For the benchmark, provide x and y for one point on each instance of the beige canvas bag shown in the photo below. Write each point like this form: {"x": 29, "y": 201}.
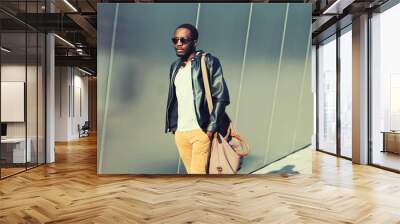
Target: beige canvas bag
{"x": 225, "y": 157}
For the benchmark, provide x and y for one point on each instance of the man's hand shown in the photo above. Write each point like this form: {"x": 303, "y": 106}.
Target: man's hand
{"x": 210, "y": 135}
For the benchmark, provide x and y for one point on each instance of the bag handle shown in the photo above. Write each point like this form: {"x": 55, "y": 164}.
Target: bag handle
{"x": 244, "y": 143}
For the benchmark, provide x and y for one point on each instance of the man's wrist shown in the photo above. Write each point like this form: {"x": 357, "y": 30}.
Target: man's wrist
{"x": 211, "y": 128}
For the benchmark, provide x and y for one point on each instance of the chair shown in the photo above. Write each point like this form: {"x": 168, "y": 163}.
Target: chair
{"x": 84, "y": 130}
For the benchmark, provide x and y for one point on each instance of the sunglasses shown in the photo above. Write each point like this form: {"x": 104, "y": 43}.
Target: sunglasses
{"x": 183, "y": 40}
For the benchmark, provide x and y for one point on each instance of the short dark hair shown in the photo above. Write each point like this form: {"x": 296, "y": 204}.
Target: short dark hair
{"x": 193, "y": 30}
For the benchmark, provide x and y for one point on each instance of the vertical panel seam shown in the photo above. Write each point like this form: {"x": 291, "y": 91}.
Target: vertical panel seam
{"x": 276, "y": 84}
{"x": 103, "y": 131}
{"x": 302, "y": 87}
{"x": 243, "y": 63}
{"x": 198, "y": 15}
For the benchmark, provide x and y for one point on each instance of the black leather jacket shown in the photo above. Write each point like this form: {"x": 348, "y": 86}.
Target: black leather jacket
{"x": 218, "y": 120}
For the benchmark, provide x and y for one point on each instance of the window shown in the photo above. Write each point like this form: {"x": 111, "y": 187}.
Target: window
{"x": 346, "y": 92}
{"x": 327, "y": 96}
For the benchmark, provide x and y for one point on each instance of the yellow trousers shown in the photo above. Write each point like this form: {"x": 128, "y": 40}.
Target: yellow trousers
{"x": 193, "y": 147}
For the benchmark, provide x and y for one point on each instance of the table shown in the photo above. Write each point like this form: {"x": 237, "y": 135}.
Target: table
{"x": 391, "y": 141}
{"x": 15, "y": 148}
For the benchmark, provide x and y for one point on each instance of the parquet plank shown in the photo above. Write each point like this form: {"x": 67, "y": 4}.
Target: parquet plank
{"x": 70, "y": 191}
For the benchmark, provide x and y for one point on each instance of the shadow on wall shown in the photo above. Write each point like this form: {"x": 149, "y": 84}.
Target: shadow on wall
{"x": 129, "y": 85}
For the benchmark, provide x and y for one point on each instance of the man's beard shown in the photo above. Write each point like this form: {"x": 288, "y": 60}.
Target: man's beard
{"x": 187, "y": 53}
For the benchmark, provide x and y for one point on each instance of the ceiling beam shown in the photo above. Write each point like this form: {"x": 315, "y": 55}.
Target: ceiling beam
{"x": 83, "y": 61}
{"x": 337, "y": 6}
{"x": 86, "y": 26}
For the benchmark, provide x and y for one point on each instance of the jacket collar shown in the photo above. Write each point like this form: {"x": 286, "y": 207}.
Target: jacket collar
{"x": 179, "y": 62}
{"x": 197, "y": 56}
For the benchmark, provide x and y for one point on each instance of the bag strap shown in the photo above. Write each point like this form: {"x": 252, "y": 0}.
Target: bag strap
{"x": 204, "y": 73}
{"x": 206, "y": 82}
{"x": 231, "y": 131}
{"x": 207, "y": 89}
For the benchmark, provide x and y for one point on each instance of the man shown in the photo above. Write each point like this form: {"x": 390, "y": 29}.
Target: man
{"x": 187, "y": 114}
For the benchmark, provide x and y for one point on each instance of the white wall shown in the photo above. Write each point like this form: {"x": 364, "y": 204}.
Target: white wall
{"x": 62, "y": 81}
{"x": 12, "y": 73}
{"x": 33, "y": 127}
{"x": 71, "y": 93}
{"x": 82, "y": 82}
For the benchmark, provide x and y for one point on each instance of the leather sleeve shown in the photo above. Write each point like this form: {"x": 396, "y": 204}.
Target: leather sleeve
{"x": 219, "y": 92}
{"x": 169, "y": 95}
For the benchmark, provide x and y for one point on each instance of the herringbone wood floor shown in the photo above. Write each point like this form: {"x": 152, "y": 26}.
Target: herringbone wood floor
{"x": 69, "y": 191}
